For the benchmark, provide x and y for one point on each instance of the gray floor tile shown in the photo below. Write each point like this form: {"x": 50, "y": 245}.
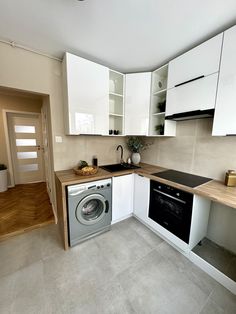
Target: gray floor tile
{"x": 6, "y": 293}
{"x": 29, "y": 290}
{"x": 150, "y": 237}
{"x": 51, "y": 242}
{"x": 19, "y": 252}
{"x": 122, "y": 246}
{"x": 212, "y": 308}
{"x": 126, "y": 270}
{"x": 194, "y": 273}
{"x": 225, "y": 299}
{"x": 154, "y": 285}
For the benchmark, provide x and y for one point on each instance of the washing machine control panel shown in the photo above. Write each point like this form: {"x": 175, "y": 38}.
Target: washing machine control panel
{"x": 74, "y": 190}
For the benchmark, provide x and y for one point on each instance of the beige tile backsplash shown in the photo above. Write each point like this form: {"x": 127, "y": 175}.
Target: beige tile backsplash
{"x": 194, "y": 150}
{"x": 85, "y": 147}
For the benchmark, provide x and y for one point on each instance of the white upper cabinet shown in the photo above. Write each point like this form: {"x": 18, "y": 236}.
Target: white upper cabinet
{"x": 225, "y": 111}
{"x": 201, "y": 60}
{"x": 86, "y": 96}
{"x": 197, "y": 95}
{"x": 137, "y": 102}
{"x": 192, "y": 78}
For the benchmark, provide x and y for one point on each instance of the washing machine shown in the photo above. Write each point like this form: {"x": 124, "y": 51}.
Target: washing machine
{"x": 89, "y": 209}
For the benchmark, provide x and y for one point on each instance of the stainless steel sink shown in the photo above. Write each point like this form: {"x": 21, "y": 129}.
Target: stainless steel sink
{"x": 119, "y": 167}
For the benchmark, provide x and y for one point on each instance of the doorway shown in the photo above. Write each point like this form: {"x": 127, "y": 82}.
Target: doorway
{"x": 25, "y": 137}
{"x": 25, "y": 134}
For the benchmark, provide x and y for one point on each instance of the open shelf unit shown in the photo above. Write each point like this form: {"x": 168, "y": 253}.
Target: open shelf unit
{"x": 116, "y": 102}
{"x": 158, "y": 126}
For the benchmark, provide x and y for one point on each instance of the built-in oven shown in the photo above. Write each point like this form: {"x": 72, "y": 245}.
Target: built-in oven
{"x": 171, "y": 208}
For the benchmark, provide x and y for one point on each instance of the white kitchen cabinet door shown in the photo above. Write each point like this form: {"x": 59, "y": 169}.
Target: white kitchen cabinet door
{"x": 141, "y": 197}
{"x": 201, "y": 60}
{"x": 197, "y": 95}
{"x": 122, "y": 197}
{"x": 225, "y": 111}
{"x": 86, "y": 96}
{"x": 137, "y": 102}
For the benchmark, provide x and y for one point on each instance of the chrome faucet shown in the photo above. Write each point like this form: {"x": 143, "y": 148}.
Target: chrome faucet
{"x": 121, "y": 155}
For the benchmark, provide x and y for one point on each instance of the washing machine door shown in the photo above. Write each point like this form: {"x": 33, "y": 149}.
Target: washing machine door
{"x": 91, "y": 209}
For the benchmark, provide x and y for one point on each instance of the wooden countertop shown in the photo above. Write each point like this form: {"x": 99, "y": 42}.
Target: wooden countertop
{"x": 214, "y": 190}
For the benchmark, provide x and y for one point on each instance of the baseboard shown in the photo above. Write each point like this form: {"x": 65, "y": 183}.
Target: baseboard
{"x": 122, "y": 218}
{"x": 213, "y": 272}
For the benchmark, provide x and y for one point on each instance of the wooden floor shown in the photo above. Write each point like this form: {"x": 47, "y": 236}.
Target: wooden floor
{"x": 23, "y": 208}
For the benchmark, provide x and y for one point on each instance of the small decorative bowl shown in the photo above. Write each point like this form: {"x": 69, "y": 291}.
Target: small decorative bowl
{"x": 82, "y": 172}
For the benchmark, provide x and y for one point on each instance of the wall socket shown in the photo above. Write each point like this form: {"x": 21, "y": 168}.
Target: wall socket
{"x": 58, "y": 139}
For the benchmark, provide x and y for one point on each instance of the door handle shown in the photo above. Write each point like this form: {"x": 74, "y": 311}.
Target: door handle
{"x": 107, "y": 206}
{"x": 194, "y": 79}
{"x": 170, "y": 196}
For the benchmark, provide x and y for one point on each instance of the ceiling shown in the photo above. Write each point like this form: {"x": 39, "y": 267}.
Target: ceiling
{"x": 126, "y": 35}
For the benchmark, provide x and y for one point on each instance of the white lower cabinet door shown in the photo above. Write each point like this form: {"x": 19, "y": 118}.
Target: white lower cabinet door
{"x": 141, "y": 197}
{"x": 122, "y": 197}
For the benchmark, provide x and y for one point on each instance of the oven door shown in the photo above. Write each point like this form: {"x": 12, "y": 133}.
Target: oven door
{"x": 171, "y": 213}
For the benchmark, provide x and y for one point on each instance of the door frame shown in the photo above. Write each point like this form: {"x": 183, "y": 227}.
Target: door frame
{"x": 7, "y": 139}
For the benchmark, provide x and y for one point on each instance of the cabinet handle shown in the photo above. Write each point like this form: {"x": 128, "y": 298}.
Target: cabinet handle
{"x": 140, "y": 175}
{"x": 231, "y": 134}
{"x": 196, "y": 78}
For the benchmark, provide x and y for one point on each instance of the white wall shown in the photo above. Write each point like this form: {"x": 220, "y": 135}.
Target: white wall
{"x": 222, "y": 226}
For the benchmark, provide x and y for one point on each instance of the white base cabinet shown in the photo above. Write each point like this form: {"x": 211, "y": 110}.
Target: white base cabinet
{"x": 225, "y": 111}
{"x": 141, "y": 197}
{"x": 122, "y": 197}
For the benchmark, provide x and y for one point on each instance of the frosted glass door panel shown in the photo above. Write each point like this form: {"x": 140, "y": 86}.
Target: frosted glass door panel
{"x": 26, "y": 148}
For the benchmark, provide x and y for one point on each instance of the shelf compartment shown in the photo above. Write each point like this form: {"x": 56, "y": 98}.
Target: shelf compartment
{"x": 116, "y": 104}
{"x": 154, "y": 122}
{"x": 159, "y": 79}
{"x": 160, "y": 92}
{"x": 116, "y": 123}
{"x": 115, "y": 115}
{"x": 159, "y": 113}
{"x": 116, "y": 82}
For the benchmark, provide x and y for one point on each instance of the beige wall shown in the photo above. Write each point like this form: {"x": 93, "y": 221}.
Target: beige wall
{"x": 194, "y": 150}
{"x": 31, "y": 72}
{"x": 16, "y": 103}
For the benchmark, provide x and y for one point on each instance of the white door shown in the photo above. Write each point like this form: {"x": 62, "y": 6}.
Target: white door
{"x": 26, "y": 147}
{"x": 137, "y": 102}
{"x": 197, "y": 95}
{"x": 201, "y": 60}
{"x": 141, "y": 197}
{"x": 122, "y": 197}
{"x": 86, "y": 92}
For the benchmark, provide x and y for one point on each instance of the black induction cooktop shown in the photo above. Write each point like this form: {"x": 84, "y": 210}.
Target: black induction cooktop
{"x": 183, "y": 178}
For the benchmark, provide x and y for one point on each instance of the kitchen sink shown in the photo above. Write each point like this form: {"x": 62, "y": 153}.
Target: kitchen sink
{"x": 119, "y": 167}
